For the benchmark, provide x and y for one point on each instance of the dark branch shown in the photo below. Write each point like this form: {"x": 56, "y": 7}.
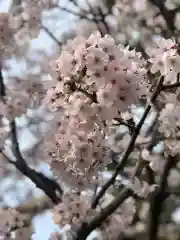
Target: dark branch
{"x": 15, "y": 145}
{"x": 130, "y": 147}
{"x": 168, "y": 15}
{"x": 87, "y": 228}
{"x": 49, "y": 186}
{"x": 156, "y": 202}
{"x": 129, "y": 123}
{"x": 170, "y": 86}
{"x": 2, "y": 86}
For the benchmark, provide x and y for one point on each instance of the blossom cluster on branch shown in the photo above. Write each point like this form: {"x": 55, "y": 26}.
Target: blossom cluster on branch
{"x": 96, "y": 82}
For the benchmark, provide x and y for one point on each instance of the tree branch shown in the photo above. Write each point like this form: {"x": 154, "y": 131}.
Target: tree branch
{"x": 156, "y": 202}
{"x": 87, "y": 228}
{"x": 168, "y": 15}
{"x": 129, "y": 123}
{"x": 130, "y": 147}
{"x": 170, "y": 86}
{"x": 49, "y": 186}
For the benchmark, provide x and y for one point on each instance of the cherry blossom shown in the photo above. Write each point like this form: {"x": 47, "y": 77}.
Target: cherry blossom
{"x": 90, "y": 96}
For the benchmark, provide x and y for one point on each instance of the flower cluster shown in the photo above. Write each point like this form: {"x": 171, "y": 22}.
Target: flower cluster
{"x": 26, "y": 17}
{"x": 49, "y": 4}
{"x": 96, "y": 82}
{"x": 170, "y": 126}
{"x": 15, "y": 104}
{"x": 23, "y": 233}
{"x": 56, "y": 236}
{"x": 165, "y": 58}
{"x": 6, "y": 34}
{"x": 75, "y": 207}
{"x": 4, "y": 131}
{"x": 142, "y": 189}
{"x": 156, "y": 163}
{"x": 120, "y": 220}
{"x": 10, "y": 220}
{"x": 138, "y": 21}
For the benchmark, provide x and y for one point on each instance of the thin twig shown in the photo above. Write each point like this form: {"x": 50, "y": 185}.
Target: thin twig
{"x": 51, "y": 35}
{"x": 76, "y": 4}
{"x": 129, "y": 123}
{"x": 78, "y": 14}
{"x": 95, "y": 17}
{"x": 103, "y": 19}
